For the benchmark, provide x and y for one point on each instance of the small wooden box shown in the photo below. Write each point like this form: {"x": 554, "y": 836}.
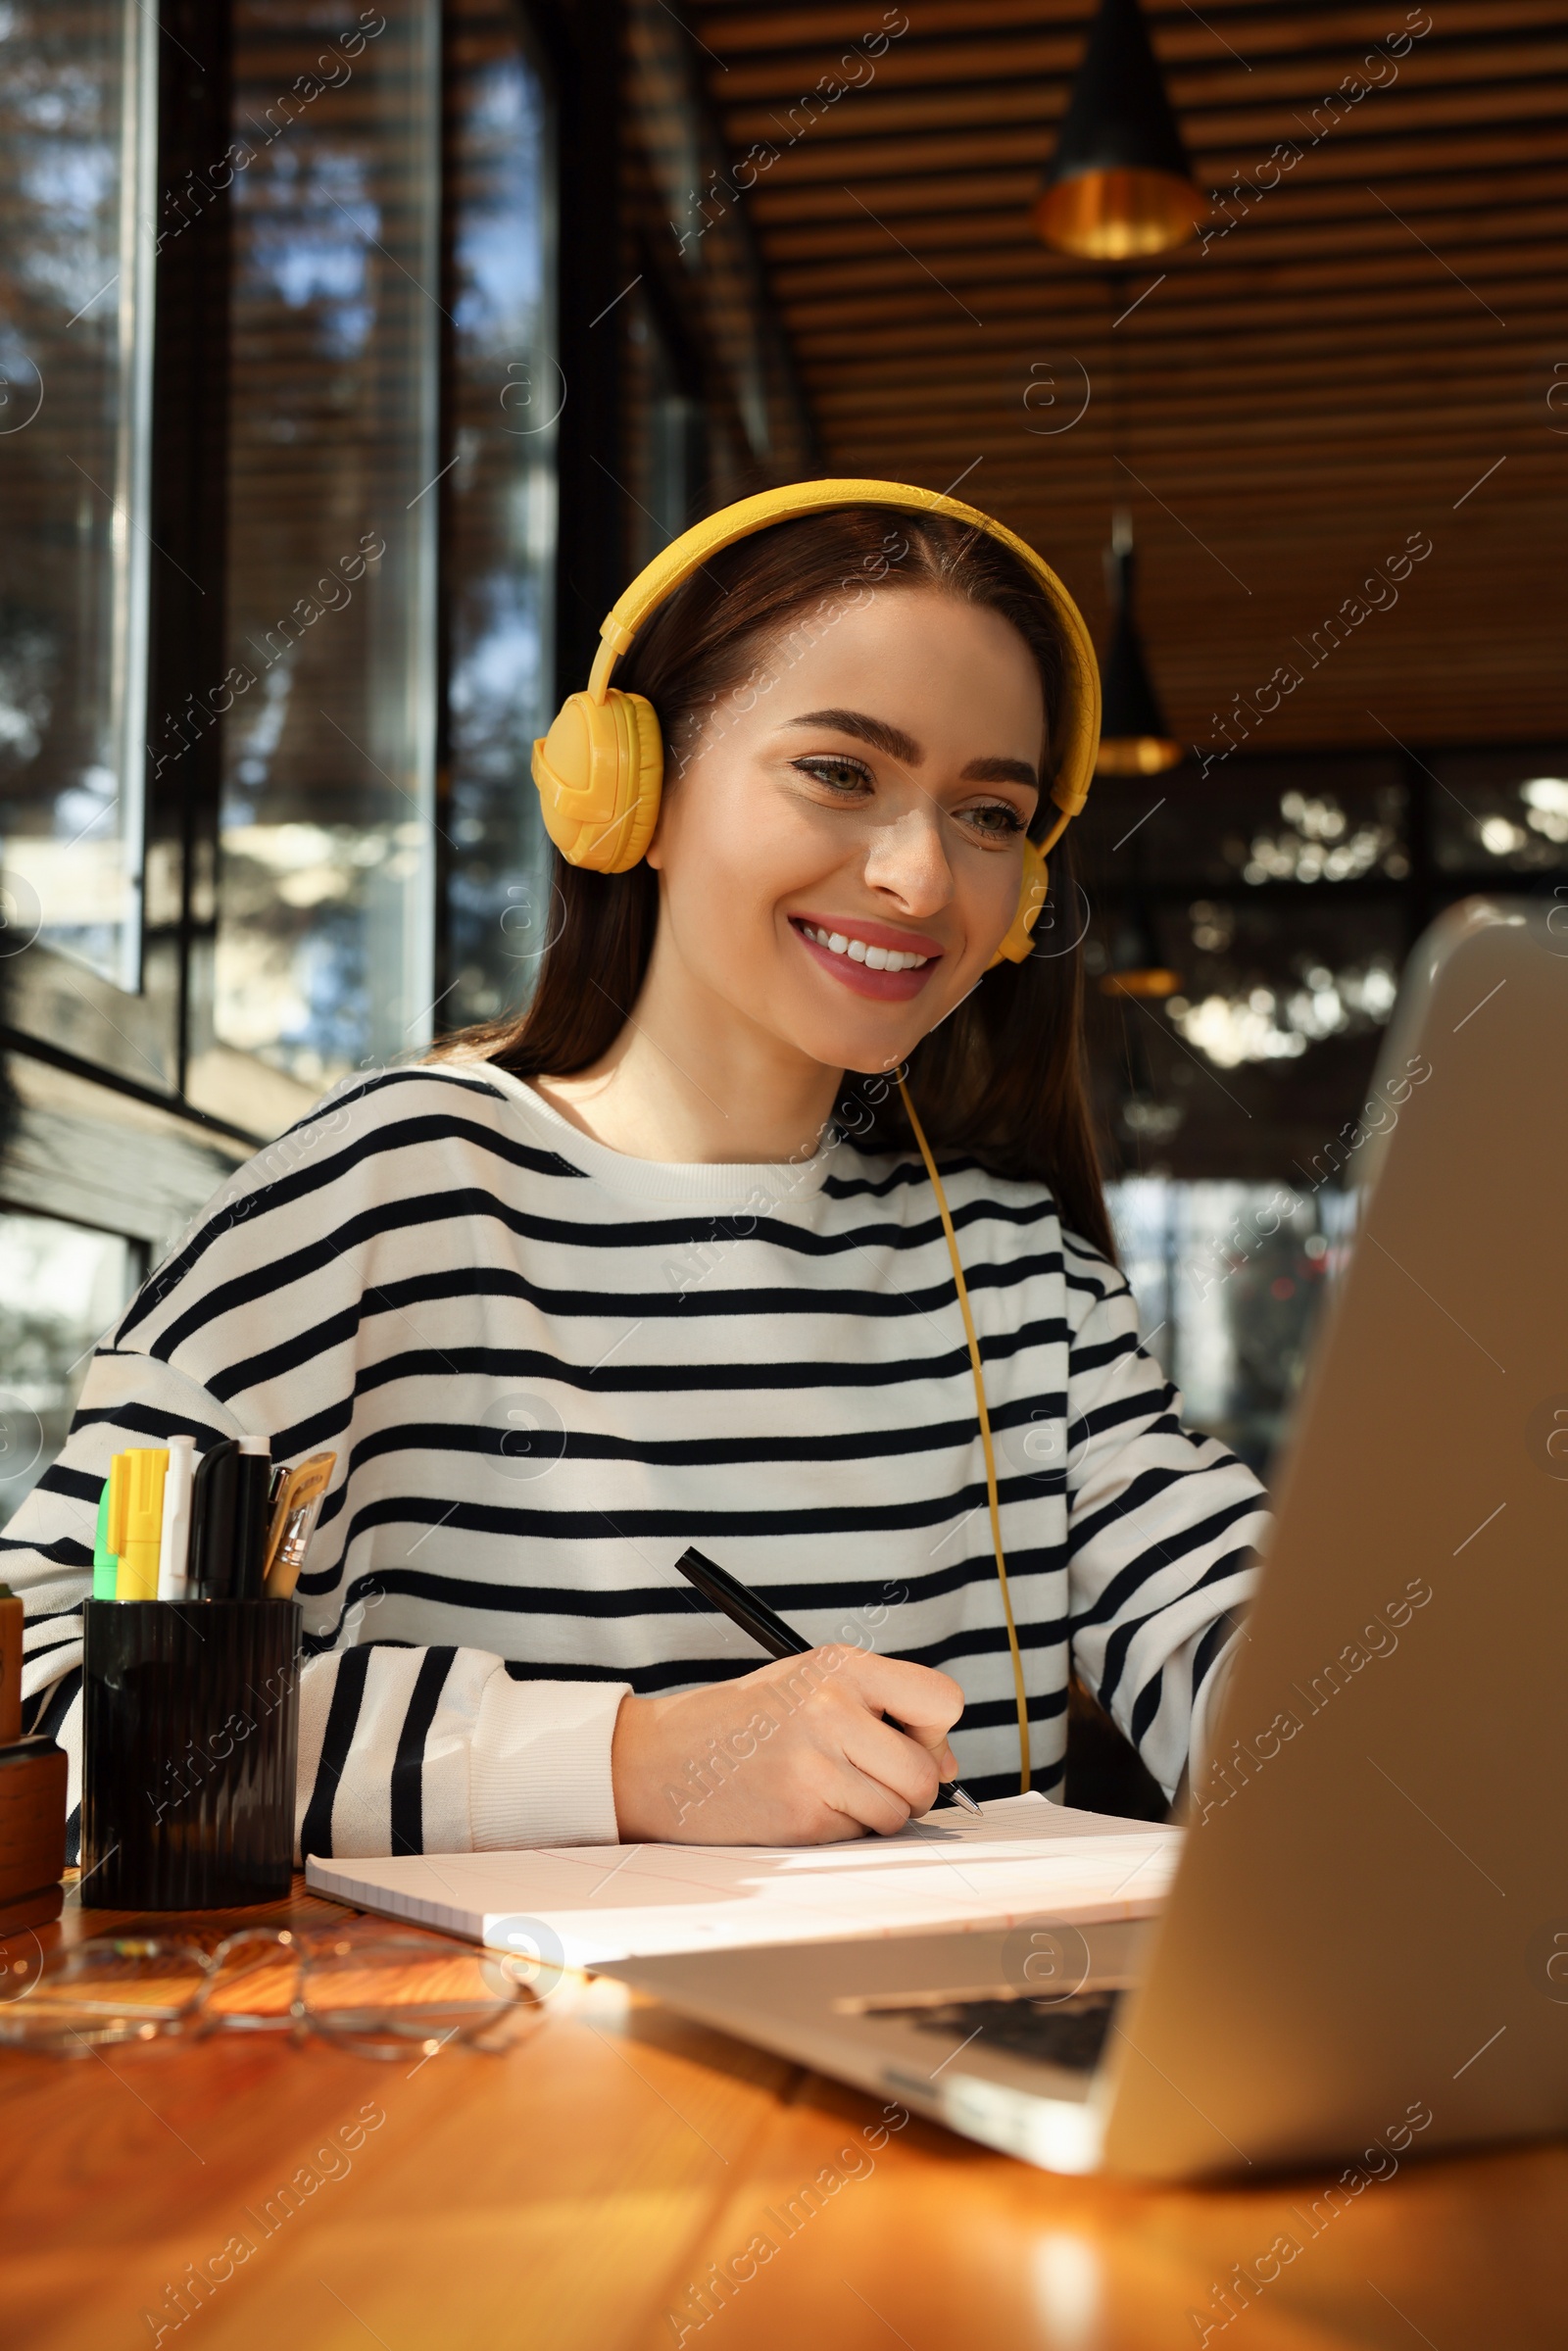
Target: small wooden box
{"x": 32, "y": 1831}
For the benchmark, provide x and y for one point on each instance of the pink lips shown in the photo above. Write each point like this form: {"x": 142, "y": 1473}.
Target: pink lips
{"x": 890, "y": 987}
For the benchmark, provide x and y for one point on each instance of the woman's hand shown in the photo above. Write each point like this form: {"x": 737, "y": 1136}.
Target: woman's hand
{"x": 795, "y": 1754}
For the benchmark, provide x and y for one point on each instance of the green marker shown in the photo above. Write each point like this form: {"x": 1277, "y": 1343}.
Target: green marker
{"x": 105, "y": 1566}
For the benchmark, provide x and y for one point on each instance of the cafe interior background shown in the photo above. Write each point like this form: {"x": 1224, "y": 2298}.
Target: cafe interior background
{"x": 351, "y": 359}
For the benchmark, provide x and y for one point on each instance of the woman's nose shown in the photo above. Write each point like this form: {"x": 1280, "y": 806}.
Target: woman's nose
{"x": 907, "y": 859}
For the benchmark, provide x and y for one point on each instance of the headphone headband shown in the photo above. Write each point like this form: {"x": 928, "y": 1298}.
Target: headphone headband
{"x": 1075, "y": 727}
{"x": 600, "y": 770}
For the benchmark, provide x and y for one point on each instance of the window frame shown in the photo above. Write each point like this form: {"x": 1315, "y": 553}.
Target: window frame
{"x": 138, "y": 1045}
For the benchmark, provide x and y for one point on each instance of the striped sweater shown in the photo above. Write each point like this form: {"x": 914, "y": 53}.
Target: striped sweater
{"x": 546, "y": 1367}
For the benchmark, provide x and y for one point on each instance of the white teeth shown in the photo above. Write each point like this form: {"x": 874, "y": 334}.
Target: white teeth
{"x": 875, "y": 958}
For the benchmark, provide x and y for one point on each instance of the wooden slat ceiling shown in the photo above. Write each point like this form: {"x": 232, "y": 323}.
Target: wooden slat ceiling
{"x": 1281, "y": 409}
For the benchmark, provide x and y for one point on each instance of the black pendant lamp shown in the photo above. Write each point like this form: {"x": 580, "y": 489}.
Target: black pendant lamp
{"x": 1135, "y": 738}
{"x": 1136, "y": 968}
{"x": 1119, "y": 186}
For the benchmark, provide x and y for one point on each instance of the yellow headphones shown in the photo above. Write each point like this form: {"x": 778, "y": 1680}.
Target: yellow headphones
{"x": 601, "y": 768}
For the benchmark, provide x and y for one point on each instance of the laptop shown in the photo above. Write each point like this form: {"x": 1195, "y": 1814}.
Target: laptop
{"x": 1364, "y": 1953}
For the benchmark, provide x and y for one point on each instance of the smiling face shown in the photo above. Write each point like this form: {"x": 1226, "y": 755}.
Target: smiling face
{"x": 839, "y": 863}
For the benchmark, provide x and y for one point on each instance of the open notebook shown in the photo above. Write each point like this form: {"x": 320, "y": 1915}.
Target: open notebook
{"x": 580, "y": 1904}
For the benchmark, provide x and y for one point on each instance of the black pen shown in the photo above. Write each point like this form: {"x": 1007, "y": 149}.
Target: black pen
{"x": 773, "y": 1634}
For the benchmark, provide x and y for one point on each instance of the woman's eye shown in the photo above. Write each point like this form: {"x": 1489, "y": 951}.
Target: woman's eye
{"x": 840, "y": 775}
{"x": 996, "y": 817}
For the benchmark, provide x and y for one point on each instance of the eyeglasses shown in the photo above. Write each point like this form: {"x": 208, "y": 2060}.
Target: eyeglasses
{"x": 380, "y": 1999}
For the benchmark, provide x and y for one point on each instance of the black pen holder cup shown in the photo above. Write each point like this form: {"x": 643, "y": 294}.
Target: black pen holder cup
{"x": 190, "y": 1736}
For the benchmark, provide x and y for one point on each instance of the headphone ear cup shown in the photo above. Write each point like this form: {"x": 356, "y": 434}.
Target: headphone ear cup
{"x": 1019, "y": 941}
{"x": 600, "y": 771}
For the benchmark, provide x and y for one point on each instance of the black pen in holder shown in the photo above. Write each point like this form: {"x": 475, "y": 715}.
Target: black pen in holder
{"x": 190, "y": 1738}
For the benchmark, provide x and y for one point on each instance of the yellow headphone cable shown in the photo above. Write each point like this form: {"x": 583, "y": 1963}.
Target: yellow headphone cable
{"x": 986, "y": 1446}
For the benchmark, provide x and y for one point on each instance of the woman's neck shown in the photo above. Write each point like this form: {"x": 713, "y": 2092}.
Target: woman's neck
{"x": 693, "y": 1082}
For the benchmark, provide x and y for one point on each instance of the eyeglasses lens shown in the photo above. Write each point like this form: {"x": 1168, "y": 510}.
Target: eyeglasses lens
{"x": 381, "y": 1999}
{"x": 124, "y": 1988}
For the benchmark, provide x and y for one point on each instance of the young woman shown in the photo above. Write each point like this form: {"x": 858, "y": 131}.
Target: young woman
{"x": 659, "y": 1262}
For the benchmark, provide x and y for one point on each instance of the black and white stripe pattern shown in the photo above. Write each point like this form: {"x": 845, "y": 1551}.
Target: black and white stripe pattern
{"x": 546, "y": 1368}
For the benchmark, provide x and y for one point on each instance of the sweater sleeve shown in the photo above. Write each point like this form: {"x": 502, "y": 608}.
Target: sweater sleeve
{"x": 1164, "y": 1527}
{"x": 440, "y": 1750}
{"x": 402, "y": 1749}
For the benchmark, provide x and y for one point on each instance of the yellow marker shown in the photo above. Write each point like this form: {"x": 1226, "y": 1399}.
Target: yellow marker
{"x": 137, "y": 1579}
{"x": 115, "y": 1526}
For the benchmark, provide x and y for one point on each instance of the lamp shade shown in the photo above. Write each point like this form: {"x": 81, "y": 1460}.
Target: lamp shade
{"x": 1134, "y": 737}
{"x": 1119, "y": 186}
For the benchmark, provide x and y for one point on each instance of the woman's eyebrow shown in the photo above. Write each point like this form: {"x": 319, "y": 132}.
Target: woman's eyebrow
{"x": 899, "y": 745}
{"x": 875, "y": 731}
{"x": 1000, "y": 772}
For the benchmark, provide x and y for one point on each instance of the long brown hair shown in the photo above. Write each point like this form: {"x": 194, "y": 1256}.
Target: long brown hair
{"x": 1000, "y": 1080}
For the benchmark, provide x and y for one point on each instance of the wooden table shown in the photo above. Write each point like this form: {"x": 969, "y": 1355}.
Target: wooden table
{"x": 575, "y": 2191}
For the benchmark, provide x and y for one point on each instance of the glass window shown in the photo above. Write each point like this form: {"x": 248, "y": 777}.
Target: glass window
{"x": 326, "y": 882}
{"x": 1500, "y": 812}
{"x": 1266, "y": 984}
{"x": 664, "y": 433}
{"x": 61, "y": 1287}
{"x": 77, "y": 196}
{"x": 1228, "y": 1280}
{"x": 507, "y": 393}
{"x": 1291, "y": 820}
{"x": 1261, "y": 1038}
